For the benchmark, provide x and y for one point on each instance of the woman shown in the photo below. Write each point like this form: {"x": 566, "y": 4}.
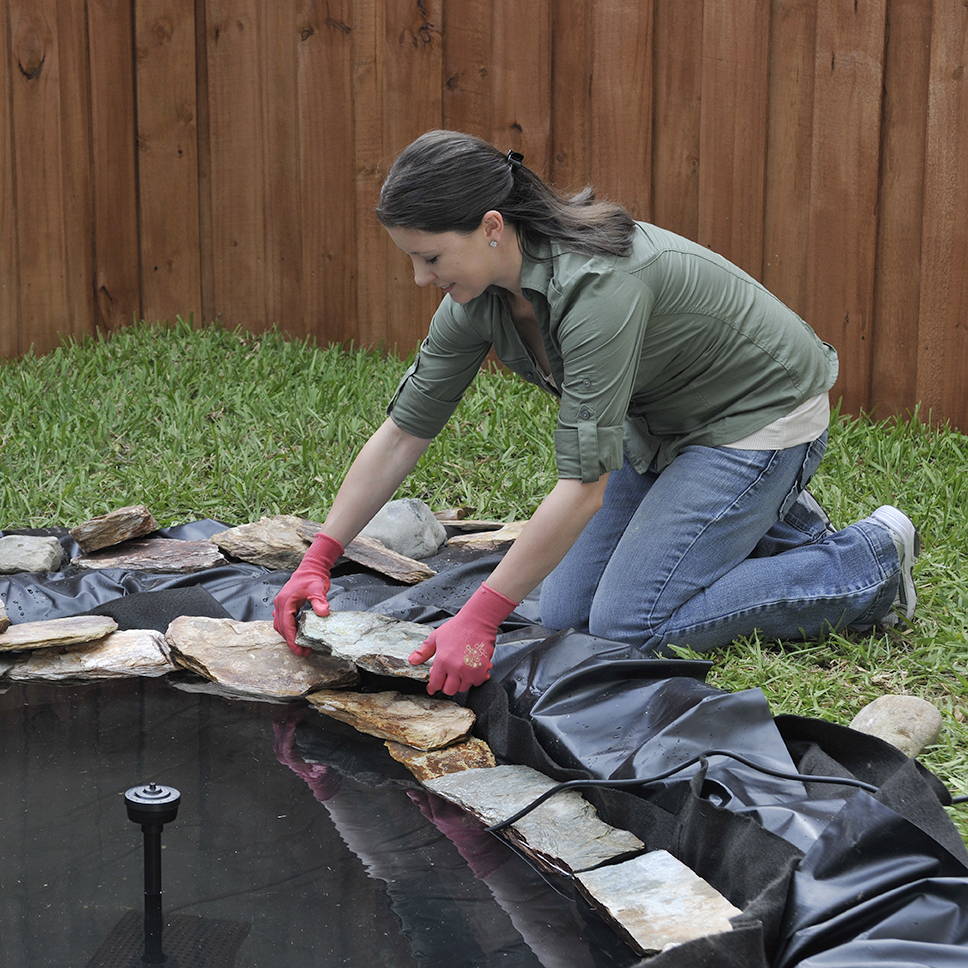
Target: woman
{"x": 693, "y": 412}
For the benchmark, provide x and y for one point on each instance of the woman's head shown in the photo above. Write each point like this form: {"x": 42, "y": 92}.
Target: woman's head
{"x": 446, "y": 181}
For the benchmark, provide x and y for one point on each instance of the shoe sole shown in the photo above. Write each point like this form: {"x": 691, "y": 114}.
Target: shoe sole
{"x": 902, "y": 528}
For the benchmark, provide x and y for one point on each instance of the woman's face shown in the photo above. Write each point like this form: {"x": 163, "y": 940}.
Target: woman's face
{"x": 462, "y": 265}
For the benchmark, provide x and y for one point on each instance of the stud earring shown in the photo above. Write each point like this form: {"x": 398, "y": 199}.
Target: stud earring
{"x": 493, "y": 243}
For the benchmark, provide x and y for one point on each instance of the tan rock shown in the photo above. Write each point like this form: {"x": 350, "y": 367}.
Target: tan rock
{"x": 563, "y": 834}
{"x": 418, "y": 721}
{"x": 656, "y": 901}
{"x": 375, "y": 555}
{"x": 251, "y": 658}
{"x": 114, "y": 527}
{"x": 488, "y": 539}
{"x": 138, "y": 652}
{"x": 471, "y": 754}
{"x": 278, "y": 542}
{"x": 907, "y": 722}
{"x": 56, "y": 632}
{"x": 155, "y": 554}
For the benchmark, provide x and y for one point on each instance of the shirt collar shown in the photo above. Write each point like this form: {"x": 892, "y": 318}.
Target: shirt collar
{"x": 538, "y": 269}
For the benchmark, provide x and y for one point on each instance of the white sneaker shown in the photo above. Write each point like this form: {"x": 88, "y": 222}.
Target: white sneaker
{"x": 908, "y": 543}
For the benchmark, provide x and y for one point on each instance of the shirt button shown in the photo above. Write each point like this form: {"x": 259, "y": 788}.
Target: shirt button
{"x": 586, "y": 382}
{"x": 584, "y": 413}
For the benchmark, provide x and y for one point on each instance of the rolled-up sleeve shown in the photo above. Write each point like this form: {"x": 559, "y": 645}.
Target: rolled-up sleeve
{"x": 445, "y": 365}
{"x": 600, "y": 337}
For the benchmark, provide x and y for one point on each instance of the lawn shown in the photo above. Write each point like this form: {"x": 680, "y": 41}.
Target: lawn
{"x": 213, "y": 423}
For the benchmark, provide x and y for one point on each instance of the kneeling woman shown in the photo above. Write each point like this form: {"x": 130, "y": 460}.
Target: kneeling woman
{"x": 693, "y": 412}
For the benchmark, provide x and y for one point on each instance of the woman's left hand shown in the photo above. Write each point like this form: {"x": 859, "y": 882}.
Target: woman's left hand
{"x": 463, "y": 646}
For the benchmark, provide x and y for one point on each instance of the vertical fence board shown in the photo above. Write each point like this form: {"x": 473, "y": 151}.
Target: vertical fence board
{"x": 38, "y": 165}
{"x": 572, "y": 59}
{"x": 735, "y": 40}
{"x": 412, "y": 80}
{"x": 468, "y": 92}
{"x": 900, "y": 208}
{"x": 168, "y": 159}
{"x": 9, "y": 281}
{"x": 793, "y": 28}
{"x": 943, "y": 343}
{"x": 621, "y": 145}
{"x": 236, "y": 147}
{"x": 843, "y": 189}
{"x": 677, "y": 73}
{"x": 117, "y": 284}
{"x": 330, "y": 267}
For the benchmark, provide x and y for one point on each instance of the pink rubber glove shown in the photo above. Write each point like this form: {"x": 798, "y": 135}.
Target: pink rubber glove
{"x": 309, "y": 583}
{"x": 462, "y": 647}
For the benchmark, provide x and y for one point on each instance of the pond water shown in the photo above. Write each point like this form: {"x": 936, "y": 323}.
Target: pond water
{"x": 298, "y": 843}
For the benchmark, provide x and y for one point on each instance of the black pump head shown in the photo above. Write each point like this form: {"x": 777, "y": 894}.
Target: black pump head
{"x": 152, "y": 803}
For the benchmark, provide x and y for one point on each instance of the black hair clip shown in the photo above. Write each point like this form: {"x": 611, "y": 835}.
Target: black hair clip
{"x": 515, "y": 159}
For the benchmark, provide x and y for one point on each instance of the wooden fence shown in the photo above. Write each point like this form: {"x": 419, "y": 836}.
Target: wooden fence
{"x": 222, "y": 157}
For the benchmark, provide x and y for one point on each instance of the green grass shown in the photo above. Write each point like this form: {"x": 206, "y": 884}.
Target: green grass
{"x": 213, "y": 423}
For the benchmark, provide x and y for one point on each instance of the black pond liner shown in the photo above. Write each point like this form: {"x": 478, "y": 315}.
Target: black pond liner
{"x": 343, "y": 859}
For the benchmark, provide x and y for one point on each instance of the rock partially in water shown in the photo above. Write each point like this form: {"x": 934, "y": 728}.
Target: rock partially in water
{"x": 418, "y": 721}
{"x": 31, "y": 553}
{"x": 185, "y": 681}
{"x": 277, "y": 542}
{"x": 4, "y": 619}
{"x": 5, "y": 666}
{"x": 907, "y": 722}
{"x": 656, "y": 901}
{"x": 137, "y": 652}
{"x": 373, "y": 642}
{"x": 408, "y": 527}
{"x": 563, "y": 834}
{"x": 155, "y": 554}
{"x": 251, "y": 658}
{"x": 486, "y": 540}
{"x": 114, "y": 527}
{"x": 472, "y": 754}
{"x": 56, "y": 632}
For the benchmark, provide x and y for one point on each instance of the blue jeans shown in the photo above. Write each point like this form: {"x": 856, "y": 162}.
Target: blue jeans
{"x": 718, "y": 544}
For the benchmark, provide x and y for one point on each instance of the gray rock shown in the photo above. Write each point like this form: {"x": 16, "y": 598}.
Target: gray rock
{"x": 137, "y": 652}
{"x": 191, "y": 683}
{"x": 155, "y": 554}
{"x": 4, "y": 619}
{"x": 658, "y": 902}
{"x": 472, "y": 754}
{"x": 564, "y": 834}
{"x": 407, "y": 526}
{"x": 23, "y": 552}
{"x": 5, "y": 666}
{"x": 278, "y": 542}
{"x": 56, "y": 632}
{"x": 251, "y": 658}
{"x": 114, "y": 527}
{"x": 907, "y": 722}
{"x": 417, "y": 721}
{"x": 373, "y": 642}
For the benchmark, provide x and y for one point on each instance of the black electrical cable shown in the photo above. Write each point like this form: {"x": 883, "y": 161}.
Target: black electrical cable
{"x": 955, "y": 800}
{"x": 638, "y": 781}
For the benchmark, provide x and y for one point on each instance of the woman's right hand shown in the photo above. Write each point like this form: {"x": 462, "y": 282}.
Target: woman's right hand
{"x": 309, "y": 583}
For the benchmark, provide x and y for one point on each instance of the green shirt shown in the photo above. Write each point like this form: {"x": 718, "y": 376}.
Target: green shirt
{"x": 669, "y": 346}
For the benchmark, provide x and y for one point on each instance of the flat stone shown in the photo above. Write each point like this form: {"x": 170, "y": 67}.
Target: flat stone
{"x": 56, "y": 632}
{"x": 472, "y": 754}
{"x": 277, "y": 542}
{"x": 656, "y": 901}
{"x": 375, "y": 555}
{"x": 33, "y": 553}
{"x": 114, "y": 527}
{"x": 251, "y": 658}
{"x": 418, "y": 721}
{"x": 5, "y": 666}
{"x": 907, "y": 722}
{"x": 193, "y": 684}
{"x": 136, "y": 652}
{"x": 489, "y": 539}
{"x": 563, "y": 834}
{"x": 155, "y": 554}
{"x": 408, "y": 527}
{"x": 373, "y": 642}
{"x": 4, "y": 618}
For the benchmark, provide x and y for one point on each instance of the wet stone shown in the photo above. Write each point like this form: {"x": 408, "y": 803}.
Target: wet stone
{"x": 470, "y": 755}
{"x": 56, "y": 632}
{"x": 155, "y": 554}
{"x": 251, "y": 658}
{"x": 371, "y": 641}
{"x": 656, "y": 901}
{"x": 277, "y": 542}
{"x": 563, "y": 834}
{"x": 136, "y": 652}
{"x": 31, "y": 553}
{"x": 907, "y": 722}
{"x": 407, "y": 526}
{"x": 417, "y": 721}
{"x": 114, "y": 527}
